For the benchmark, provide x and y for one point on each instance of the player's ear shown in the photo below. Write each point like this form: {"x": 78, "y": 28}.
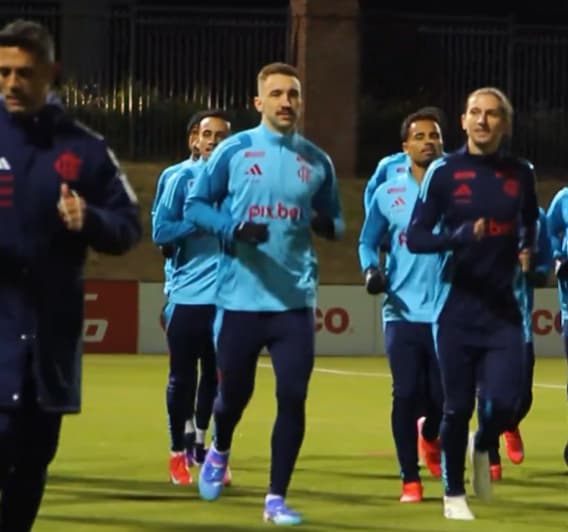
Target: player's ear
{"x": 405, "y": 147}
{"x": 463, "y": 121}
{"x": 258, "y": 103}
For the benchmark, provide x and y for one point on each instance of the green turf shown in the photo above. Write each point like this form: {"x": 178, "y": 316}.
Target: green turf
{"x": 111, "y": 470}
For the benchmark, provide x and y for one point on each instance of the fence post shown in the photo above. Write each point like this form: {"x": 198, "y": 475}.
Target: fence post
{"x": 84, "y": 44}
{"x": 512, "y": 35}
{"x": 132, "y": 104}
{"x": 324, "y": 45}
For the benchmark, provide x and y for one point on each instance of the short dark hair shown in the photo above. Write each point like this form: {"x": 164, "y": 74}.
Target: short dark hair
{"x": 424, "y": 113}
{"x": 196, "y": 118}
{"x": 31, "y": 36}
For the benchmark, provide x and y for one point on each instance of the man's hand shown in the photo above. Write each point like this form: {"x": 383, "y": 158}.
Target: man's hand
{"x": 167, "y": 250}
{"x": 479, "y": 228}
{"x": 375, "y": 281}
{"x": 251, "y": 232}
{"x": 323, "y": 226}
{"x": 71, "y": 208}
{"x": 469, "y": 232}
{"x": 525, "y": 258}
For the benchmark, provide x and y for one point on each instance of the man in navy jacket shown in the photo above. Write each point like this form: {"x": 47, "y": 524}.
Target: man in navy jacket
{"x": 61, "y": 191}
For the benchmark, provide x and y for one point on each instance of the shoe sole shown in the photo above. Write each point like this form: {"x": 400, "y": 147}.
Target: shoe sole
{"x": 176, "y": 482}
{"x": 267, "y": 518}
{"x": 410, "y": 500}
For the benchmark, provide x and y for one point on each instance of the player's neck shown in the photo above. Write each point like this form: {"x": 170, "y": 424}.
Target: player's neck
{"x": 278, "y": 131}
{"x": 417, "y": 172}
{"x": 481, "y": 149}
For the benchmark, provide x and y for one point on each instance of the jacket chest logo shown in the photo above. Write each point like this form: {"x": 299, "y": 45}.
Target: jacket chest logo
{"x": 68, "y": 166}
{"x": 305, "y": 173}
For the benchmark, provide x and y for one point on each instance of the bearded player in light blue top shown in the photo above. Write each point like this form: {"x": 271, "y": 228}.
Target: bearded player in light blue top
{"x": 163, "y": 178}
{"x": 395, "y": 165}
{"x": 410, "y": 284}
{"x": 274, "y": 188}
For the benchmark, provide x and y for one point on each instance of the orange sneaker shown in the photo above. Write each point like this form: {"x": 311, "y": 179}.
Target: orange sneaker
{"x": 514, "y": 446}
{"x": 429, "y": 452}
{"x": 411, "y": 492}
{"x": 496, "y": 472}
{"x": 179, "y": 472}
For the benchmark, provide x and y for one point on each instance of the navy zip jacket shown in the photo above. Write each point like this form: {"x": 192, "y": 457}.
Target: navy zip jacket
{"x": 41, "y": 261}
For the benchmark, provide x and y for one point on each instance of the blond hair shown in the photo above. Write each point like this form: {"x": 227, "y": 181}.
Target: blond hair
{"x": 505, "y": 105}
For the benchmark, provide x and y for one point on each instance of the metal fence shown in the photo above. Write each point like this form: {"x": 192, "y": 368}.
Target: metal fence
{"x": 421, "y": 60}
{"x": 136, "y": 73}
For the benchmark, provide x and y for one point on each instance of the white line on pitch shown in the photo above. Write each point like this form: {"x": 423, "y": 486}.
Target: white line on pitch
{"x": 345, "y": 373}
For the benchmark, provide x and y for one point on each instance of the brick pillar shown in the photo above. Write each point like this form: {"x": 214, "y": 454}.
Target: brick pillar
{"x": 324, "y": 44}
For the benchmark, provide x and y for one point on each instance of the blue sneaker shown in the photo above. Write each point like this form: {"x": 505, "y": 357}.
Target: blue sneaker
{"x": 212, "y": 473}
{"x": 276, "y": 511}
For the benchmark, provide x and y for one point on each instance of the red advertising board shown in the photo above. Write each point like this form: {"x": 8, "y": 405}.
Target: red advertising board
{"x": 111, "y": 317}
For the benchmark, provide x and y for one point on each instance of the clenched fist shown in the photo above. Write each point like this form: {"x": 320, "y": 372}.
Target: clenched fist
{"x": 71, "y": 208}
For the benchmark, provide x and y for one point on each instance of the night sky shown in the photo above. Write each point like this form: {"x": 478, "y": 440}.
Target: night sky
{"x": 553, "y": 12}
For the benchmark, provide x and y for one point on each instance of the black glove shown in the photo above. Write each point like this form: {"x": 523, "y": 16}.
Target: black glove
{"x": 385, "y": 246}
{"x": 561, "y": 269}
{"x": 323, "y": 226}
{"x": 167, "y": 251}
{"x": 537, "y": 279}
{"x": 251, "y": 232}
{"x": 375, "y": 281}
{"x": 464, "y": 234}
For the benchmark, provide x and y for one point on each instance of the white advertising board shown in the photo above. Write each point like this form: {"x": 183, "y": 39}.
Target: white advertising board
{"x": 348, "y": 321}
{"x": 151, "y": 337}
{"x": 547, "y": 327}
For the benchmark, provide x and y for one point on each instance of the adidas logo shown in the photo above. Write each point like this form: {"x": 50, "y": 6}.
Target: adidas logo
{"x": 462, "y": 190}
{"x": 4, "y": 164}
{"x": 254, "y": 170}
{"x": 398, "y": 202}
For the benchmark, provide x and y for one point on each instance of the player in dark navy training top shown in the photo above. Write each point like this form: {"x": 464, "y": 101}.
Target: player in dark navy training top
{"x": 483, "y": 205}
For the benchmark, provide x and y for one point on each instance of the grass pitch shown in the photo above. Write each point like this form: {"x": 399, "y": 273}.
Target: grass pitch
{"x": 111, "y": 473}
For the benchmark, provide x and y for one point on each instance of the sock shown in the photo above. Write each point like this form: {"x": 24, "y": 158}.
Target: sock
{"x": 188, "y": 441}
{"x": 200, "y": 436}
{"x": 222, "y": 453}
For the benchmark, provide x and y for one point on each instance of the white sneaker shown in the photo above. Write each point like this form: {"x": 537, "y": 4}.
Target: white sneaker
{"x": 480, "y": 471}
{"x": 455, "y": 507}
